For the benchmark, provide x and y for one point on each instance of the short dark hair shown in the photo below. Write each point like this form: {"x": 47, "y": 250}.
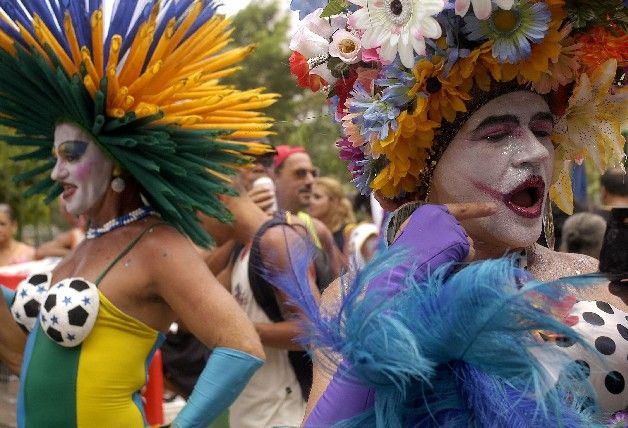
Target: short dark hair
{"x": 615, "y": 182}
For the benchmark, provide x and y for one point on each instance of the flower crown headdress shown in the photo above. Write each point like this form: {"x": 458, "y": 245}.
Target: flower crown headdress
{"x": 145, "y": 84}
{"x": 403, "y": 74}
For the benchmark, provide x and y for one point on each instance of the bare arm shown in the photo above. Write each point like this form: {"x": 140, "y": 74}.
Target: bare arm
{"x": 58, "y": 247}
{"x": 208, "y": 310}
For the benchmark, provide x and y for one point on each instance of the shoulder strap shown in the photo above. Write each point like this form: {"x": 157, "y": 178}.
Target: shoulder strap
{"x": 264, "y": 295}
{"x": 262, "y": 290}
{"x": 126, "y": 251}
{"x": 311, "y": 229}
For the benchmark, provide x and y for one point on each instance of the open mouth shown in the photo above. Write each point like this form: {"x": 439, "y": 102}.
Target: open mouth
{"x": 526, "y": 199}
{"x": 68, "y": 190}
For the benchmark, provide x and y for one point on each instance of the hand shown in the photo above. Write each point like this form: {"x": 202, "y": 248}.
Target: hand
{"x": 434, "y": 237}
{"x": 461, "y": 212}
{"x": 264, "y": 198}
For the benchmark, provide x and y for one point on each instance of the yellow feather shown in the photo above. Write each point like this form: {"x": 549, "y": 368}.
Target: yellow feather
{"x": 139, "y": 84}
{"x": 89, "y": 85}
{"x": 6, "y": 43}
{"x": 32, "y": 42}
{"x": 97, "y": 42}
{"x": 137, "y": 54}
{"x": 89, "y": 65}
{"x": 162, "y": 45}
{"x": 72, "y": 39}
{"x": 45, "y": 37}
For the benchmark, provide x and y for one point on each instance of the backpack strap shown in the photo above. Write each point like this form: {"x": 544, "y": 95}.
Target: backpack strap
{"x": 264, "y": 294}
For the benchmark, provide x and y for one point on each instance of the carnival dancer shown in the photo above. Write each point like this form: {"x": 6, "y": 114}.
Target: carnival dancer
{"x": 142, "y": 136}
{"x": 469, "y": 102}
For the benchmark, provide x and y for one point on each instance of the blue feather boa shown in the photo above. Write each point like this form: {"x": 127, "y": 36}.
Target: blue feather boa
{"x": 454, "y": 350}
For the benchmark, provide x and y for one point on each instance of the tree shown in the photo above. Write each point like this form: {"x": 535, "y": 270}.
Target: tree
{"x": 301, "y": 118}
{"x": 28, "y": 211}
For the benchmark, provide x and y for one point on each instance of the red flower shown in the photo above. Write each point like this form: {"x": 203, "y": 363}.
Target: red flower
{"x": 343, "y": 87}
{"x": 301, "y": 70}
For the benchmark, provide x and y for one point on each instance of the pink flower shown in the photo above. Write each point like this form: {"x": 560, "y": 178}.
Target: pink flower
{"x": 345, "y": 46}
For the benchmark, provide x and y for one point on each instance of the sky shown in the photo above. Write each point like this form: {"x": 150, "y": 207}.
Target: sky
{"x": 231, "y": 7}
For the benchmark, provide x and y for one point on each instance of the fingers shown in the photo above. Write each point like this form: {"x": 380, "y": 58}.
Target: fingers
{"x": 471, "y": 256}
{"x": 264, "y": 198}
{"x": 465, "y": 211}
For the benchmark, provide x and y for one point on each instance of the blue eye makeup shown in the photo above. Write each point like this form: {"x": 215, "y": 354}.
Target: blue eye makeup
{"x": 71, "y": 151}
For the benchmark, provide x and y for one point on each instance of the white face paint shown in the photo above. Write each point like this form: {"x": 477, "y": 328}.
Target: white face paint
{"x": 502, "y": 154}
{"x": 82, "y": 168}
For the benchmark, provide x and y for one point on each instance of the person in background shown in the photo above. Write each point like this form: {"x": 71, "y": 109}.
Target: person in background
{"x": 614, "y": 191}
{"x": 294, "y": 174}
{"x": 329, "y": 204}
{"x": 276, "y": 394}
{"x": 12, "y": 251}
{"x": 583, "y": 233}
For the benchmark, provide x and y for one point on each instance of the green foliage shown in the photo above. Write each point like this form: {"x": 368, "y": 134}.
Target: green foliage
{"x": 301, "y": 116}
{"x": 27, "y": 210}
{"x": 334, "y": 7}
{"x": 601, "y": 13}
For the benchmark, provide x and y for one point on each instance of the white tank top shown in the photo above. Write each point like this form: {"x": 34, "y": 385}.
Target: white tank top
{"x": 272, "y": 397}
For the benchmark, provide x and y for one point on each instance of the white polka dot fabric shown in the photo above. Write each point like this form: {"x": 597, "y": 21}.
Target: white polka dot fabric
{"x": 605, "y": 328}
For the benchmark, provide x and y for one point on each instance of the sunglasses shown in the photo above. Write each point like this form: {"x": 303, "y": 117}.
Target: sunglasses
{"x": 303, "y": 172}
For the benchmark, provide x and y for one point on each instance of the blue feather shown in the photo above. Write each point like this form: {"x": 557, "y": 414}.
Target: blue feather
{"x": 454, "y": 350}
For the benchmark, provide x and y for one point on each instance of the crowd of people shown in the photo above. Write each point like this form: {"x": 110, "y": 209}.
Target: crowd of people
{"x": 271, "y": 295}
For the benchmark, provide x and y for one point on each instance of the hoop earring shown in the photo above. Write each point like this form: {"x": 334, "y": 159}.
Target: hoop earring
{"x": 548, "y": 225}
{"x": 117, "y": 184}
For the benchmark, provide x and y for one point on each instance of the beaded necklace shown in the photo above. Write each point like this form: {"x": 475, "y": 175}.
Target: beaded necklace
{"x": 117, "y": 222}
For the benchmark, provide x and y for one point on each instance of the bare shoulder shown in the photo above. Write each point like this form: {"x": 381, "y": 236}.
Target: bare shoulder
{"x": 333, "y": 295}
{"x": 163, "y": 244}
{"x": 549, "y": 265}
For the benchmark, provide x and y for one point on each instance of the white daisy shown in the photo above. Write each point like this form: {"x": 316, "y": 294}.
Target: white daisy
{"x": 481, "y": 8}
{"x": 397, "y": 26}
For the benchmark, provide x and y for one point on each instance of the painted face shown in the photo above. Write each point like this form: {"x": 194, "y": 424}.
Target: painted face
{"x": 294, "y": 182}
{"x": 319, "y": 202}
{"x": 502, "y": 154}
{"x": 82, "y": 168}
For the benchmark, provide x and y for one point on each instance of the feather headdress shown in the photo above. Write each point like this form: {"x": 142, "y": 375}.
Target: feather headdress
{"x": 145, "y": 84}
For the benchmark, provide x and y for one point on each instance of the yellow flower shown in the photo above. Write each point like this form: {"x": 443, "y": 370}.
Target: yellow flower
{"x": 445, "y": 98}
{"x": 591, "y": 125}
{"x": 406, "y": 151}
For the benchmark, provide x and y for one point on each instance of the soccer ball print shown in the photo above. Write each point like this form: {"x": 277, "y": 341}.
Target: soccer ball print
{"x": 69, "y": 311}
{"x": 29, "y": 296}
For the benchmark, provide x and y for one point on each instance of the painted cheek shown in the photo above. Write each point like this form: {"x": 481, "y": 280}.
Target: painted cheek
{"x": 83, "y": 170}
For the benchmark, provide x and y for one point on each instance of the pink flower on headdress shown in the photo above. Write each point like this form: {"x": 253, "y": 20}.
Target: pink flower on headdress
{"x": 481, "y": 8}
{"x": 345, "y": 46}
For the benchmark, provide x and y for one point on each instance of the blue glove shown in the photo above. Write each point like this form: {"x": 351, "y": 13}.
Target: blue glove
{"x": 224, "y": 377}
{"x": 9, "y": 295}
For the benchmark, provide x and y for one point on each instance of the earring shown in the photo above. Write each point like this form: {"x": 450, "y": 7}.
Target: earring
{"x": 117, "y": 184}
{"x": 548, "y": 225}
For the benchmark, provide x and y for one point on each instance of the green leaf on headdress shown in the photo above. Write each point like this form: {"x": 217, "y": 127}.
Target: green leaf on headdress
{"x": 335, "y": 7}
{"x": 597, "y": 13}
